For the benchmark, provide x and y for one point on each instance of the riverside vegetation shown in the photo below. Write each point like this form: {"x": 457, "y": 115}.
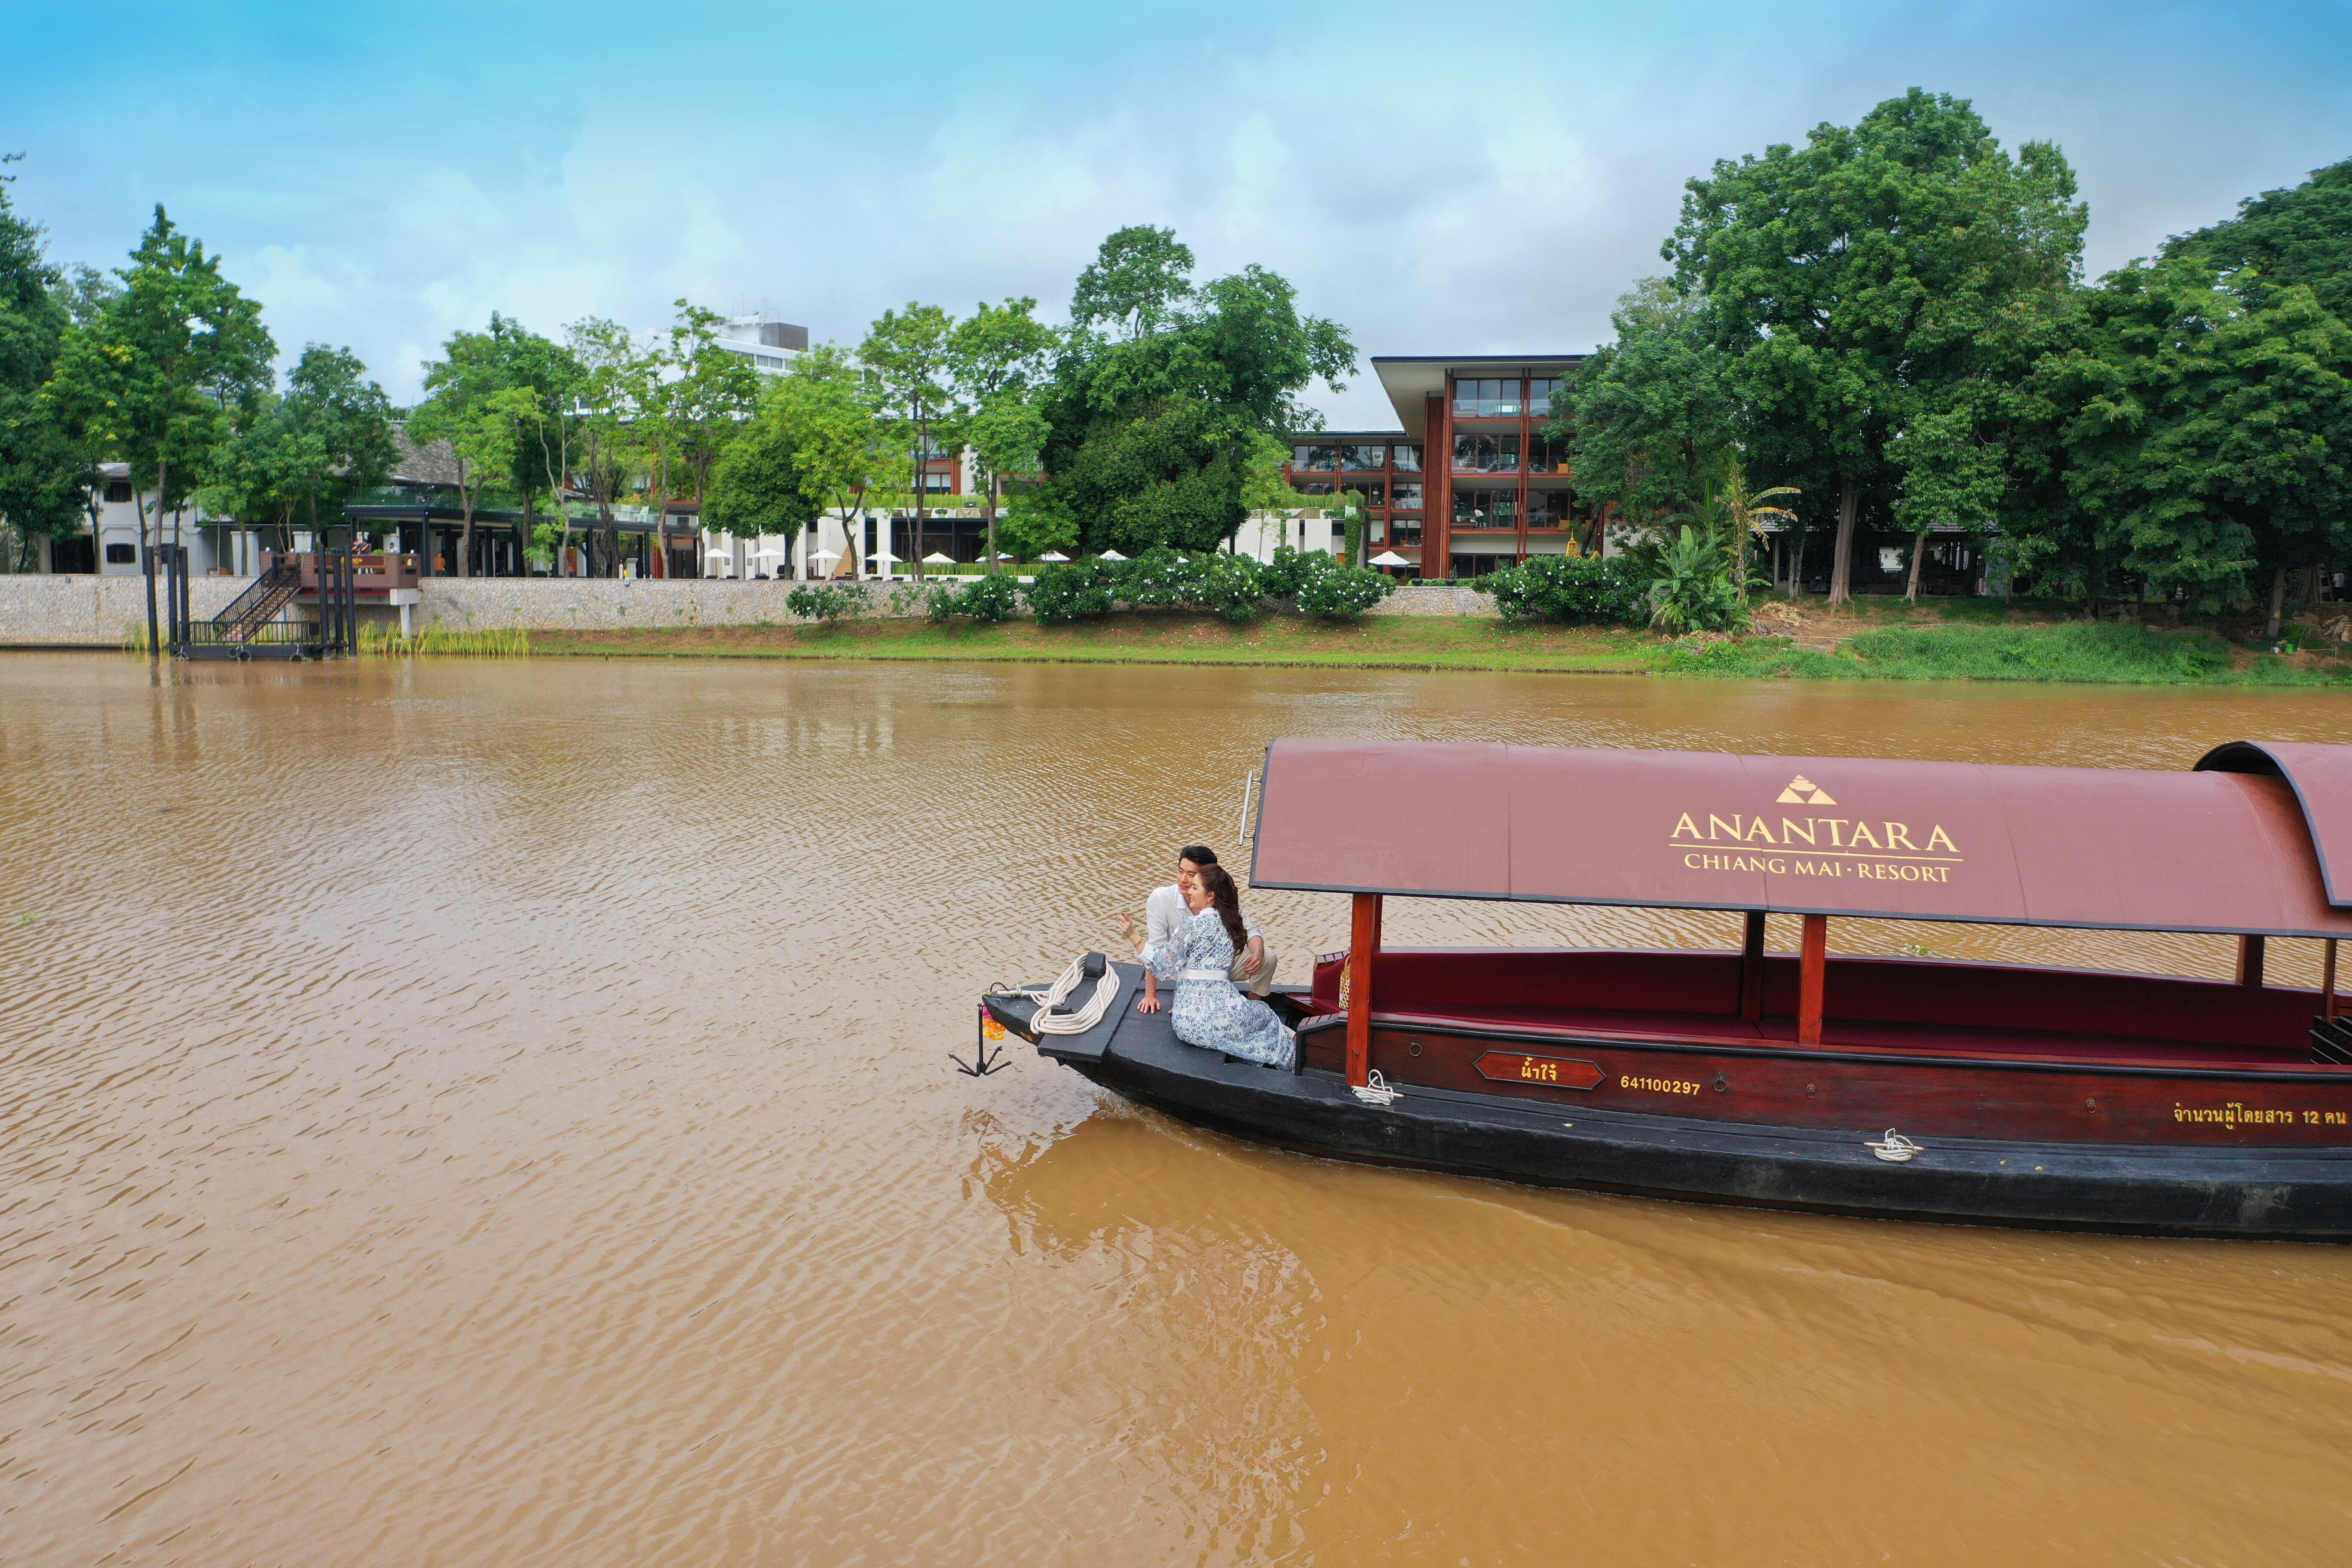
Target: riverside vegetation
{"x": 1568, "y": 614}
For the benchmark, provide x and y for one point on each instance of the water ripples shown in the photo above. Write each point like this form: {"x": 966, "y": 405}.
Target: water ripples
{"x": 499, "y": 1114}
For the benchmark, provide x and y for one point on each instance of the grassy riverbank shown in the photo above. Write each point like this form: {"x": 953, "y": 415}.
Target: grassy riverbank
{"x": 1962, "y": 640}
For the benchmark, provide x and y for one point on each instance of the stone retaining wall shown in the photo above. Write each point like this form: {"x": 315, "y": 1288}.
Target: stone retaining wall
{"x": 101, "y": 612}
{"x": 602, "y": 604}
{"x": 95, "y": 612}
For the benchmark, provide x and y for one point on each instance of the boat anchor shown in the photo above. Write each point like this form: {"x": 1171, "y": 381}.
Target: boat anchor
{"x": 982, "y": 1064}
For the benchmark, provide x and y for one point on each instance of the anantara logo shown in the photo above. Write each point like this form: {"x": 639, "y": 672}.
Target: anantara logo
{"x": 1868, "y": 848}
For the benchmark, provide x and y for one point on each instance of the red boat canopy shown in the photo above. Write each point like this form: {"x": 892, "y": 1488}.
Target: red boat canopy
{"x": 2236, "y": 846}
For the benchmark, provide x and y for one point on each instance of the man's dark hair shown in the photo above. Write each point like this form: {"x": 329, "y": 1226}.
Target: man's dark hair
{"x": 1199, "y": 853}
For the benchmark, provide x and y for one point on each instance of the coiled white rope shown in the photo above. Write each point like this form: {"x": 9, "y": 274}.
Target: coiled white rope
{"x": 1374, "y": 1091}
{"x": 1896, "y": 1149}
{"x": 1048, "y": 1022}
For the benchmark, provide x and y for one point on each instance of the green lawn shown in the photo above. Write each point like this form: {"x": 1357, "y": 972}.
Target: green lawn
{"x": 1884, "y": 641}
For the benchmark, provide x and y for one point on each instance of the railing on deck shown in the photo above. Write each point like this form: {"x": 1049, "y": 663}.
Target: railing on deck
{"x": 252, "y": 612}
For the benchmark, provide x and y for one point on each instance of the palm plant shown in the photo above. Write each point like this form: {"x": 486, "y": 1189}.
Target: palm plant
{"x": 1689, "y": 590}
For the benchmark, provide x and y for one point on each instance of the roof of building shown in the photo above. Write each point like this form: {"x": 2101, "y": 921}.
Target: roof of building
{"x": 1410, "y": 379}
{"x": 2241, "y": 845}
{"x": 434, "y": 463}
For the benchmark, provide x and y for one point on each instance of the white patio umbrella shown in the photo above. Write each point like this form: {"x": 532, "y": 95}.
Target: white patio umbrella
{"x": 1110, "y": 555}
{"x": 1053, "y": 555}
{"x": 1389, "y": 558}
{"x": 936, "y": 559}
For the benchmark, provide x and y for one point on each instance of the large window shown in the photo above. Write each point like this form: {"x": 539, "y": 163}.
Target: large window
{"x": 1408, "y": 459}
{"x": 1486, "y": 399}
{"x": 1375, "y": 491}
{"x": 1363, "y": 460}
{"x": 1550, "y": 509}
{"x": 1540, "y": 392}
{"x": 1404, "y": 530}
{"x": 1322, "y": 460}
{"x": 1314, "y": 488}
{"x": 1485, "y": 454}
{"x": 1486, "y": 509}
{"x": 1547, "y": 456}
{"x": 1407, "y": 497}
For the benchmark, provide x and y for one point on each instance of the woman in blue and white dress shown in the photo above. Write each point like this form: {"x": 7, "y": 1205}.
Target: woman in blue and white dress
{"x": 1211, "y": 1011}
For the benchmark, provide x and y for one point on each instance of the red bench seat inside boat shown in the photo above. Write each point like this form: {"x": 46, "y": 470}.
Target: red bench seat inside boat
{"x": 1869, "y": 1004}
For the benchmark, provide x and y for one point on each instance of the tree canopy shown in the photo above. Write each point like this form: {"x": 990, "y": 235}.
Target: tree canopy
{"x": 2302, "y": 234}
{"x": 1150, "y": 431}
{"x": 165, "y": 367}
{"x": 1851, "y": 282}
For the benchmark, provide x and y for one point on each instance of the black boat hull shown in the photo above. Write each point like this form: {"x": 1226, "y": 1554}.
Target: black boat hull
{"x": 2236, "y": 1193}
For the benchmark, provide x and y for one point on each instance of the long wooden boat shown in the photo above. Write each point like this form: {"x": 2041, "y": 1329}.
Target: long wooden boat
{"x": 1915, "y": 1088}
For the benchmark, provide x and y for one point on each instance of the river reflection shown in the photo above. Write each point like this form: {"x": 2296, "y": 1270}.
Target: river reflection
{"x": 499, "y": 1114}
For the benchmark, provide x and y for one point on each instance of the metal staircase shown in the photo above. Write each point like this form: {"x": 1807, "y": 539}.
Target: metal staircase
{"x": 259, "y": 605}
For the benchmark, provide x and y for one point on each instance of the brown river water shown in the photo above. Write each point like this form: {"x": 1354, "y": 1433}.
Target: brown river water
{"x": 499, "y": 1114}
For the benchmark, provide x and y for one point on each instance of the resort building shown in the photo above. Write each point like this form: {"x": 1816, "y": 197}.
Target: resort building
{"x": 1468, "y": 481}
{"x": 770, "y": 345}
{"x": 107, "y": 543}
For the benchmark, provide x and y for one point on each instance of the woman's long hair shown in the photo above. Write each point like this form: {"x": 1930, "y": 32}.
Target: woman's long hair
{"x": 1227, "y": 899}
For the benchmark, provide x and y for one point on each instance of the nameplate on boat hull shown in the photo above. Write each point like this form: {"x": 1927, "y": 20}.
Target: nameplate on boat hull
{"x": 1552, "y": 1072}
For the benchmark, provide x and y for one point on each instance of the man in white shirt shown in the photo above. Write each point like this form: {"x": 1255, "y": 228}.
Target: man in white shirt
{"x": 1165, "y": 909}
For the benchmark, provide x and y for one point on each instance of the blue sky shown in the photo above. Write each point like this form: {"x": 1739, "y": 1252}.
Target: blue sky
{"x": 1439, "y": 178}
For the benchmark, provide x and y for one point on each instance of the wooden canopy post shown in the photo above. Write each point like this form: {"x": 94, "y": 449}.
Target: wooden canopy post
{"x": 1813, "y": 971}
{"x": 2250, "y": 961}
{"x": 1751, "y": 969}
{"x": 1363, "y": 948}
{"x": 2327, "y": 981}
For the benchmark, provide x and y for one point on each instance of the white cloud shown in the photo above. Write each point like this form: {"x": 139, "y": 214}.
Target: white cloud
{"x": 1490, "y": 187}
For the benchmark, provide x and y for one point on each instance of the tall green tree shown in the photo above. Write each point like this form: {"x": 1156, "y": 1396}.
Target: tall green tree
{"x": 341, "y": 422}
{"x": 616, "y": 407}
{"x": 507, "y": 400}
{"x": 1851, "y": 281}
{"x": 162, "y": 370}
{"x": 43, "y": 486}
{"x": 307, "y": 453}
{"x": 827, "y": 407}
{"x": 756, "y": 486}
{"x": 2207, "y": 433}
{"x": 997, "y": 359}
{"x": 462, "y": 406}
{"x": 913, "y": 356}
{"x": 1650, "y": 418}
{"x": 1152, "y": 423}
{"x": 711, "y": 392}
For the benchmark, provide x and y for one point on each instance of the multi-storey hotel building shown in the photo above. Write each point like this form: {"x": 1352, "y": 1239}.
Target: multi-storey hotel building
{"x": 1469, "y": 482}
